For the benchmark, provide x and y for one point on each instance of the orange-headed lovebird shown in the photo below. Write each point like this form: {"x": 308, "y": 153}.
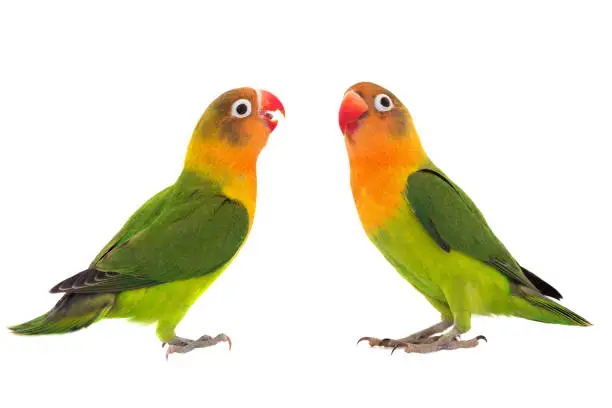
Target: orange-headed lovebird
{"x": 180, "y": 240}
{"x": 430, "y": 230}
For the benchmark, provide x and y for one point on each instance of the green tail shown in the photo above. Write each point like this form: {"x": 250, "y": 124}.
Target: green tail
{"x": 73, "y": 312}
{"x": 536, "y": 307}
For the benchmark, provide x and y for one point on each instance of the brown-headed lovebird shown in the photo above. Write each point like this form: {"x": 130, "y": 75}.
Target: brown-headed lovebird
{"x": 430, "y": 230}
{"x": 179, "y": 241}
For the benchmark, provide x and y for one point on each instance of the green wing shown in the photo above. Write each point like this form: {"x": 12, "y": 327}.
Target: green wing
{"x": 138, "y": 221}
{"x": 186, "y": 231}
{"x": 454, "y": 222}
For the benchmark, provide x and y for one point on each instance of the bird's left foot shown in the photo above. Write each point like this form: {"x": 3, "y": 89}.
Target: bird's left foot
{"x": 425, "y": 336}
{"x": 393, "y": 343}
{"x": 449, "y": 341}
{"x": 182, "y": 345}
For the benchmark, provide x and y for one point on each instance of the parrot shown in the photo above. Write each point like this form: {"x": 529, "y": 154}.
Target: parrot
{"x": 180, "y": 240}
{"x": 431, "y": 232}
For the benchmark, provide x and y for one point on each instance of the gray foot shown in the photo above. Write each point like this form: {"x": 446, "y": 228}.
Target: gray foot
{"x": 182, "y": 345}
{"x": 425, "y": 336}
{"x": 448, "y": 341}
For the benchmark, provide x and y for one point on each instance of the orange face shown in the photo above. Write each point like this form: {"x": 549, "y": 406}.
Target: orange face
{"x": 234, "y": 128}
{"x": 242, "y": 117}
{"x": 376, "y": 123}
{"x": 383, "y": 149}
{"x": 228, "y": 138}
{"x": 368, "y": 105}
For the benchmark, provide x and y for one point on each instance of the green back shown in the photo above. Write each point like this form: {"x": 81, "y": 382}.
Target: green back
{"x": 188, "y": 230}
{"x": 454, "y": 222}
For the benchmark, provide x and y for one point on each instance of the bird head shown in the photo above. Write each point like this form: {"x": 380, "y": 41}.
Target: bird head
{"x": 235, "y": 127}
{"x": 374, "y": 121}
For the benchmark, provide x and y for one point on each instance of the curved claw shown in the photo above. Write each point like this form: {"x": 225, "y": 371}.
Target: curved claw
{"x": 365, "y": 338}
{"x": 396, "y": 347}
{"x": 168, "y": 351}
{"x": 222, "y": 337}
{"x": 481, "y": 337}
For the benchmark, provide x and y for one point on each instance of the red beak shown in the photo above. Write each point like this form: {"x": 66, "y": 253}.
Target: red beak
{"x": 352, "y": 109}
{"x": 268, "y": 105}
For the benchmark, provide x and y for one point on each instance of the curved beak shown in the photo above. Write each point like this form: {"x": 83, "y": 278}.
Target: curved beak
{"x": 352, "y": 109}
{"x": 269, "y": 105}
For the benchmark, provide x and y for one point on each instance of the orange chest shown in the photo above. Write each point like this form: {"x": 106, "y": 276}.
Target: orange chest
{"x": 378, "y": 194}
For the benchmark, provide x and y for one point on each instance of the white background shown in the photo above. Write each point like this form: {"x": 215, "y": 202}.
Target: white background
{"x": 97, "y": 105}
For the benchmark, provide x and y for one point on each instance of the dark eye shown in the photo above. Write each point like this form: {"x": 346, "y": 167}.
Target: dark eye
{"x": 383, "y": 103}
{"x": 241, "y": 108}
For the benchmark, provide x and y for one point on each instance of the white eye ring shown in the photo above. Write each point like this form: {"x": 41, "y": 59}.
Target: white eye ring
{"x": 241, "y": 108}
{"x": 383, "y": 103}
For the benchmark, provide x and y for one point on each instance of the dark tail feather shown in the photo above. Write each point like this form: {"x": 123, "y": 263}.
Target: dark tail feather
{"x": 72, "y": 312}
{"x": 544, "y": 287}
{"x": 559, "y": 314}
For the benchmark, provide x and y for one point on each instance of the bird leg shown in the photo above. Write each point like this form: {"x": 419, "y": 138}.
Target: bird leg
{"x": 182, "y": 345}
{"x": 447, "y": 341}
{"x": 421, "y": 337}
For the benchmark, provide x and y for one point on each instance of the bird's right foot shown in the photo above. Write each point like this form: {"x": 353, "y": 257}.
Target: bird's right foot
{"x": 182, "y": 345}
{"x": 427, "y": 341}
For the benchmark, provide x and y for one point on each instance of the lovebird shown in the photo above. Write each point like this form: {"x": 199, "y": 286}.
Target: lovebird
{"x": 179, "y": 241}
{"x": 430, "y": 230}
